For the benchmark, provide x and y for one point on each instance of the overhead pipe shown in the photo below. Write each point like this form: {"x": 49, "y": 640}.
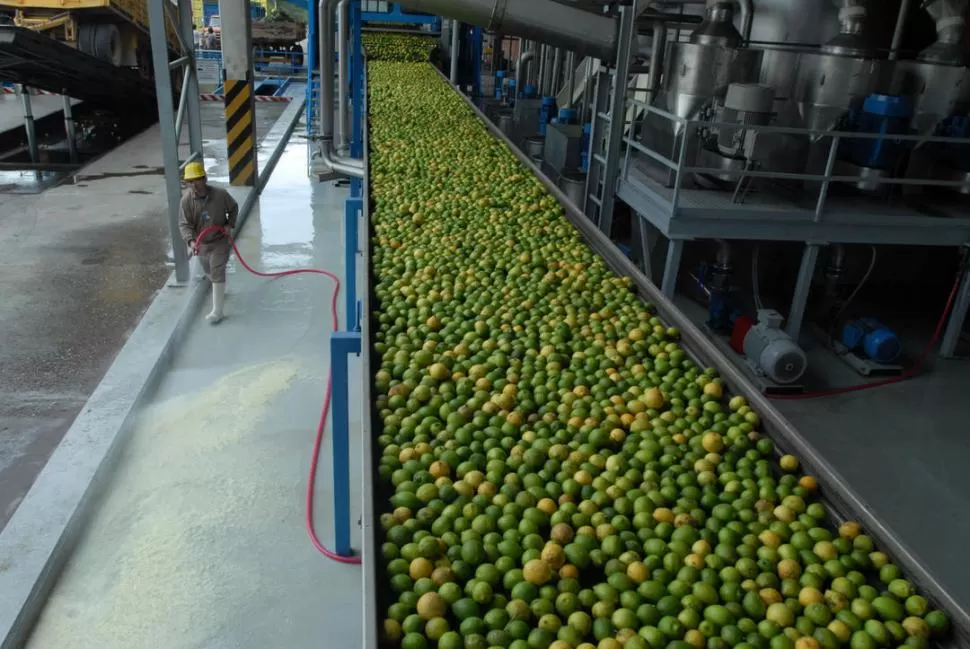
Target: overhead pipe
{"x": 340, "y": 164}
{"x": 343, "y": 33}
{"x": 524, "y": 57}
{"x": 546, "y": 21}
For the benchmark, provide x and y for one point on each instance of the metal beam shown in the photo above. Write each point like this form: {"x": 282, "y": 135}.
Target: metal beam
{"x": 29, "y": 122}
{"x": 69, "y": 130}
{"x": 958, "y": 316}
{"x": 675, "y": 248}
{"x": 617, "y": 110}
{"x": 166, "y": 124}
{"x": 806, "y": 271}
{"x": 193, "y": 109}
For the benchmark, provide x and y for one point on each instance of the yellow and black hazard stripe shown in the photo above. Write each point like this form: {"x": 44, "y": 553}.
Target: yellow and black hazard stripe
{"x": 240, "y": 131}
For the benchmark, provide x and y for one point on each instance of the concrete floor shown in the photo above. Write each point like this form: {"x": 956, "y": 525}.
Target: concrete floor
{"x": 902, "y": 448}
{"x": 80, "y": 265}
{"x": 200, "y": 541}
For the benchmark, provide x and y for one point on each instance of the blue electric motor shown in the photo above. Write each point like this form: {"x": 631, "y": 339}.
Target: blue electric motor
{"x": 547, "y": 109}
{"x": 499, "y": 80}
{"x": 584, "y": 155}
{"x": 568, "y": 115}
{"x": 529, "y": 92}
{"x": 510, "y": 92}
{"x": 874, "y": 339}
{"x": 887, "y": 115}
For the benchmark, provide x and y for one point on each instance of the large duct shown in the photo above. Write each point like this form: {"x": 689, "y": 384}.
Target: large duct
{"x": 950, "y": 19}
{"x": 852, "y": 39}
{"x": 546, "y": 21}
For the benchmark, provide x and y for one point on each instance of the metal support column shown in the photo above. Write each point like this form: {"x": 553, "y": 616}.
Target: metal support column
{"x": 802, "y": 287}
{"x": 608, "y": 156}
{"x": 455, "y": 45}
{"x": 675, "y": 248}
{"x": 69, "y": 130}
{"x": 29, "y": 122}
{"x": 342, "y": 345}
{"x": 166, "y": 124}
{"x": 192, "y": 109}
{"x": 237, "y": 58}
{"x": 958, "y": 316}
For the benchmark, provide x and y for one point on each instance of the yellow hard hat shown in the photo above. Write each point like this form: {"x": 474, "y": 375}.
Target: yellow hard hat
{"x": 194, "y": 171}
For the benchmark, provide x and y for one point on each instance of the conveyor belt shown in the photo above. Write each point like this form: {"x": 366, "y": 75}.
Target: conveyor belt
{"x": 841, "y": 500}
{"x": 33, "y": 59}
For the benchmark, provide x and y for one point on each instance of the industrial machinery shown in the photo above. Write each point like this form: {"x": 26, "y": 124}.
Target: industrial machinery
{"x": 872, "y": 338}
{"x": 97, "y": 50}
{"x": 768, "y": 349}
{"x": 115, "y": 31}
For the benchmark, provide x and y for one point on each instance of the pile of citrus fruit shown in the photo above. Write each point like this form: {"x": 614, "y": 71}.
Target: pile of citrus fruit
{"x": 397, "y": 47}
{"x": 559, "y": 474}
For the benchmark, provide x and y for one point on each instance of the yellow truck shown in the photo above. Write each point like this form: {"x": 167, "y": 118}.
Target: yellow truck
{"x": 114, "y": 31}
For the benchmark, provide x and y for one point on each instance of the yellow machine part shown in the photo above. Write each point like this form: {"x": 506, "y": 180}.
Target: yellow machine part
{"x": 49, "y": 15}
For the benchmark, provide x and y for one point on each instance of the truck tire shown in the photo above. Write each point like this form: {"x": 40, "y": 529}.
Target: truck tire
{"x": 102, "y": 41}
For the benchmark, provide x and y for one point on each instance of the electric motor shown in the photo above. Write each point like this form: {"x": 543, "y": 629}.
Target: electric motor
{"x": 769, "y": 349}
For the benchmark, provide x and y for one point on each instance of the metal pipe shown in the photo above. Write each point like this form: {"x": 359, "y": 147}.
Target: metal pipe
{"x": 570, "y": 78}
{"x": 343, "y": 33}
{"x": 747, "y": 18}
{"x": 29, "y": 122}
{"x": 546, "y": 21}
{"x": 899, "y": 31}
{"x": 69, "y": 128}
{"x": 183, "y": 104}
{"x": 454, "y": 52}
{"x": 524, "y": 57}
{"x": 339, "y": 164}
{"x": 556, "y": 71}
{"x": 657, "y": 48}
{"x": 543, "y": 60}
{"x": 584, "y": 110}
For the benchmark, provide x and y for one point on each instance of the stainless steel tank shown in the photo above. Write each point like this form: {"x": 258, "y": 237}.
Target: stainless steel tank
{"x": 694, "y": 76}
{"x": 695, "y": 73}
{"x": 937, "y": 91}
{"x": 506, "y": 123}
{"x": 533, "y": 147}
{"x": 573, "y": 184}
{"x": 827, "y": 86}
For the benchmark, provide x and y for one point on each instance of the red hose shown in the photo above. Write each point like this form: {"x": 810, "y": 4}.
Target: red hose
{"x": 318, "y": 440}
{"x": 912, "y": 372}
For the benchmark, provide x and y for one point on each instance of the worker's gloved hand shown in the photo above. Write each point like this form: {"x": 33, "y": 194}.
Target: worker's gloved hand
{"x": 194, "y": 247}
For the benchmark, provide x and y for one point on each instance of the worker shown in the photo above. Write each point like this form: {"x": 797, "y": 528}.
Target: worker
{"x": 204, "y": 205}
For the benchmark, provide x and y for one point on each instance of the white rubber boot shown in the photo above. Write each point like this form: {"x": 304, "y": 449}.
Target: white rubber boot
{"x": 218, "y": 303}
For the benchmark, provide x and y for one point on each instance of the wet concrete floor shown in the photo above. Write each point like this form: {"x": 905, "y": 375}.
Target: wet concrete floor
{"x": 80, "y": 264}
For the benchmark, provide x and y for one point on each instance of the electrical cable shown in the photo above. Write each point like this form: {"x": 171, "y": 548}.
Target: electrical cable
{"x": 852, "y": 296}
{"x": 327, "y": 395}
{"x": 912, "y": 372}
